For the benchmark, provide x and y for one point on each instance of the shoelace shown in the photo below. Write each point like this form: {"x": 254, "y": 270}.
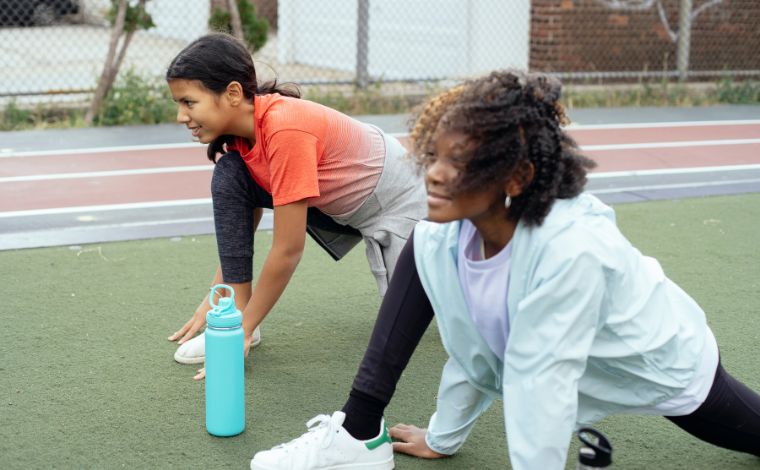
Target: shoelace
{"x": 320, "y": 427}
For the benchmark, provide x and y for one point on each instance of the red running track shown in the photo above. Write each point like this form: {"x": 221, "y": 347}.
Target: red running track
{"x": 46, "y": 180}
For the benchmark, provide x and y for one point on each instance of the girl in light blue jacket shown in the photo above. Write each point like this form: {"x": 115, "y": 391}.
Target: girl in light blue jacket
{"x": 539, "y": 299}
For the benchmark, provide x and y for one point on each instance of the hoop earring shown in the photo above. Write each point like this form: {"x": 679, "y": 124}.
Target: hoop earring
{"x": 507, "y": 202}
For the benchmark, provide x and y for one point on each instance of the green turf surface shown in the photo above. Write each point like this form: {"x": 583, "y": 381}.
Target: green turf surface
{"x": 87, "y": 378}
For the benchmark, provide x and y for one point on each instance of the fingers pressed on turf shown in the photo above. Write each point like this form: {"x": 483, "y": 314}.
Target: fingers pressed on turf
{"x": 403, "y": 447}
{"x": 189, "y": 335}
{"x": 182, "y": 331}
{"x": 398, "y": 430}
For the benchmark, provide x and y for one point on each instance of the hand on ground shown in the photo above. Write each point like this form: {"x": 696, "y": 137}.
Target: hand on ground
{"x": 247, "y": 345}
{"x": 411, "y": 440}
{"x": 191, "y": 328}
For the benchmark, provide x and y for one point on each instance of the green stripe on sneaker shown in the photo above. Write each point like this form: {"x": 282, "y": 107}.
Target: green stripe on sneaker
{"x": 380, "y": 440}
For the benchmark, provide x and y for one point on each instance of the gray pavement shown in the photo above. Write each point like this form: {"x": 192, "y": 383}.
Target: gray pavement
{"x": 77, "y": 228}
{"x": 652, "y": 114}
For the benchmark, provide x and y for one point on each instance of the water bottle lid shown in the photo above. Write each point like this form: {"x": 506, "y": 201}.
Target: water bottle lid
{"x": 223, "y": 314}
{"x": 596, "y": 452}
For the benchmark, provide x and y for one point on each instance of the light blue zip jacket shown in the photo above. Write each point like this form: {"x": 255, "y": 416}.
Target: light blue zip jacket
{"x": 595, "y": 328}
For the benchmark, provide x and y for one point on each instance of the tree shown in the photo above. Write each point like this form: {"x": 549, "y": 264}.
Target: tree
{"x": 237, "y": 26}
{"x": 126, "y": 19}
{"x": 681, "y": 36}
{"x": 253, "y": 29}
{"x": 642, "y": 5}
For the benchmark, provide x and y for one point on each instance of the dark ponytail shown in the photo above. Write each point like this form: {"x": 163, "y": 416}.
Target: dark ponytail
{"x": 215, "y": 60}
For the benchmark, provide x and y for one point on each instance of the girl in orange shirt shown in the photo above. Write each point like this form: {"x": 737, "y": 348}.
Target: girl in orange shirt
{"x": 320, "y": 171}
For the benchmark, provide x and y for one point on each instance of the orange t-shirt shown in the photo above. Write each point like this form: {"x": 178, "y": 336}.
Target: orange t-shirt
{"x": 304, "y": 150}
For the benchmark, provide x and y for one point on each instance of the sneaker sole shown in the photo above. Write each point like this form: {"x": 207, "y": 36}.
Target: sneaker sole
{"x": 189, "y": 360}
{"x": 201, "y": 359}
{"x": 384, "y": 465}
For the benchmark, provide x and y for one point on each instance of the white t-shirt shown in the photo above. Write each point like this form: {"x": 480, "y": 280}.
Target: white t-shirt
{"x": 485, "y": 284}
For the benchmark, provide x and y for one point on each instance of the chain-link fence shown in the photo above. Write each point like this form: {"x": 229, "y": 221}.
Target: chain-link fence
{"x": 57, "y": 47}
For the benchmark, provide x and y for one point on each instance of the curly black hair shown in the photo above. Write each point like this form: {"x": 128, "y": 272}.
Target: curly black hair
{"x": 516, "y": 118}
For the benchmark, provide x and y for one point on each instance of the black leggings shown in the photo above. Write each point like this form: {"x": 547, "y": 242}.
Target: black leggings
{"x": 729, "y": 417}
{"x": 405, "y": 314}
{"x": 235, "y": 194}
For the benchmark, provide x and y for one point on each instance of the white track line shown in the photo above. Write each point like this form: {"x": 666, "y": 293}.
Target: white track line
{"x": 662, "y": 145}
{"x": 575, "y": 126}
{"x": 177, "y": 169}
{"x": 674, "y": 171}
{"x": 99, "y": 174}
{"x": 157, "y": 223}
{"x": 267, "y": 219}
{"x": 593, "y": 176}
{"x": 658, "y": 125}
{"x": 265, "y": 224}
{"x": 10, "y": 153}
{"x": 181, "y": 169}
{"x": 189, "y": 220}
{"x": 106, "y": 207}
{"x": 698, "y": 184}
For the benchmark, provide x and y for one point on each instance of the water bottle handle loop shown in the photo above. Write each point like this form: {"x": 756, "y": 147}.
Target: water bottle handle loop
{"x": 601, "y": 444}
{"x": 212, "y": 294}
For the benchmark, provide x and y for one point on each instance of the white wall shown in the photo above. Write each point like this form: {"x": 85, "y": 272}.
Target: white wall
{"x": 177, "y": 19}
{"x": 95, "y": 10}
{"x": 417, "y": 39}
{"x": 317, "y": 32}
{"x": 500, "y": 37}
{"x": 408, "y": 39}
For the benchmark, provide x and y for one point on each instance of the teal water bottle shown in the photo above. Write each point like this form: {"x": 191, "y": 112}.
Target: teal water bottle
{"x": 225, "y": 386}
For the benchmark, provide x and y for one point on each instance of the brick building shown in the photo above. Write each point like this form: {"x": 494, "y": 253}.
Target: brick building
{"x": 611, "y": 35}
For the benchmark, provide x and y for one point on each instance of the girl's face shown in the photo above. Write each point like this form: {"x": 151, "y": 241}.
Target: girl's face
{"x": 452, "y": 150}
{"x": 203, "y": 112}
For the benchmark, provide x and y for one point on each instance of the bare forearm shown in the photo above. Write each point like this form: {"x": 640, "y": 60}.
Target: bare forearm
{"x": 287, "y": 247}
{"x": 273, "y": 279}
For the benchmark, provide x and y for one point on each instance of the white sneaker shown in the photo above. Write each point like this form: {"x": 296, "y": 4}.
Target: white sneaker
{"x": 193, "y": 351}
{"x": 328, "y": 446}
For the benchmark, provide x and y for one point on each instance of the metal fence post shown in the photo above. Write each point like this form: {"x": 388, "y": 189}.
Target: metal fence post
{"x": 684, "y": 39}
{"x": 362, "y": 44}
